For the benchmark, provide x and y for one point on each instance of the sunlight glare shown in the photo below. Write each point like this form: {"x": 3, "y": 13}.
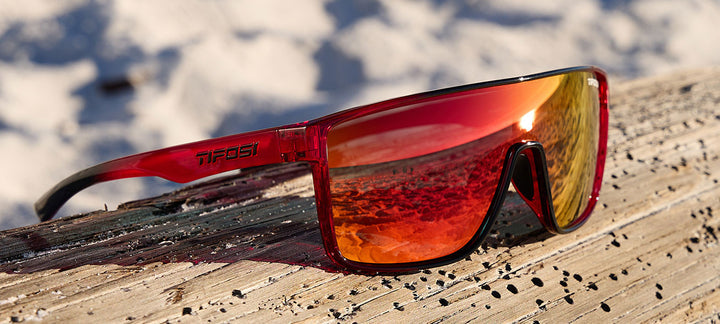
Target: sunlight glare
{"x": 527, "y": 120}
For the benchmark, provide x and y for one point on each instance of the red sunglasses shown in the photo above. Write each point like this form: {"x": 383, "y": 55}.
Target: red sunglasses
{"x": 416, "y": 181}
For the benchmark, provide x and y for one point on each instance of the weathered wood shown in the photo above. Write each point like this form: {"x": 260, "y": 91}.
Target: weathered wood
{"x": 247, "y": 247}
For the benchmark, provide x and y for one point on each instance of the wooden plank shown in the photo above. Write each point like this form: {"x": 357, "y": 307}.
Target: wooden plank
{"x": 247, "y": 248}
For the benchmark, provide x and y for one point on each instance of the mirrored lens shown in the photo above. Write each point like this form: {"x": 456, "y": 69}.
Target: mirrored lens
{"x": 415, "y": 182}
{"x": 568, "y": 127}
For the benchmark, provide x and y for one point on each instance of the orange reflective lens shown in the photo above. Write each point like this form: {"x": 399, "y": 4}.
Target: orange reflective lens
{"x": 568, "y": 127}
{"x": 415, "y": 182}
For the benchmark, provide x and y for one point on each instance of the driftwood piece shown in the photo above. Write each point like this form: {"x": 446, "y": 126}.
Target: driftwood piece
{"x": 247, "y": 247}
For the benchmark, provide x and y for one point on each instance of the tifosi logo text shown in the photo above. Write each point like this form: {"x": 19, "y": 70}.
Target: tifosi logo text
{"x": 593, "y": 83}
{"x": 227, "y": 153}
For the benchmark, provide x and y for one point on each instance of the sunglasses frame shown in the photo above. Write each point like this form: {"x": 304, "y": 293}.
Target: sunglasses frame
{"x": 307, "y": 141}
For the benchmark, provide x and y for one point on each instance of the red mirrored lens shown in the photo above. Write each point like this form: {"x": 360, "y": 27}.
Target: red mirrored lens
{"x": 414, "y": 182}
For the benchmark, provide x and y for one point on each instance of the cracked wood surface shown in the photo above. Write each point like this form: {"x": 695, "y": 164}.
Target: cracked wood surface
{"x": 246, "y": 248}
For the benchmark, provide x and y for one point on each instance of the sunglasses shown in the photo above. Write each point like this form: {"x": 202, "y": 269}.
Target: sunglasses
{"x": 416, "y": 181}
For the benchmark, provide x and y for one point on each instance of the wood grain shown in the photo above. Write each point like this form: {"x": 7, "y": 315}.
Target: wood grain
{"x": 246, "y": 248}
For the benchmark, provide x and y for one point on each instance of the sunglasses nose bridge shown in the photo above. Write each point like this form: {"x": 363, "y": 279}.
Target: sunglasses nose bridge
{"x": 523, "y": 177}
{"x": 530, "y": 179}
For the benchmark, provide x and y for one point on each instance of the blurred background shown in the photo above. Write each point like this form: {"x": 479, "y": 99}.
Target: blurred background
{"x": 82, "y": 82}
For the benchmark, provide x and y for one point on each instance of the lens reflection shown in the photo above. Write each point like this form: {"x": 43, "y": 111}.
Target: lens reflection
{"x": 415, "y": 209}
{"x": 415, "y": 182}
{"x": 567, "y": 126}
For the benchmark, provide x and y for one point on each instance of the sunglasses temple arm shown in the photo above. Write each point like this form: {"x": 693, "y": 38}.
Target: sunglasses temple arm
{"x": 188, "y": 162}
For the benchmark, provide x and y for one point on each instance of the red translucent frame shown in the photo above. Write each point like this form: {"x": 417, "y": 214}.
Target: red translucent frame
{"x": 308, "y": 141}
